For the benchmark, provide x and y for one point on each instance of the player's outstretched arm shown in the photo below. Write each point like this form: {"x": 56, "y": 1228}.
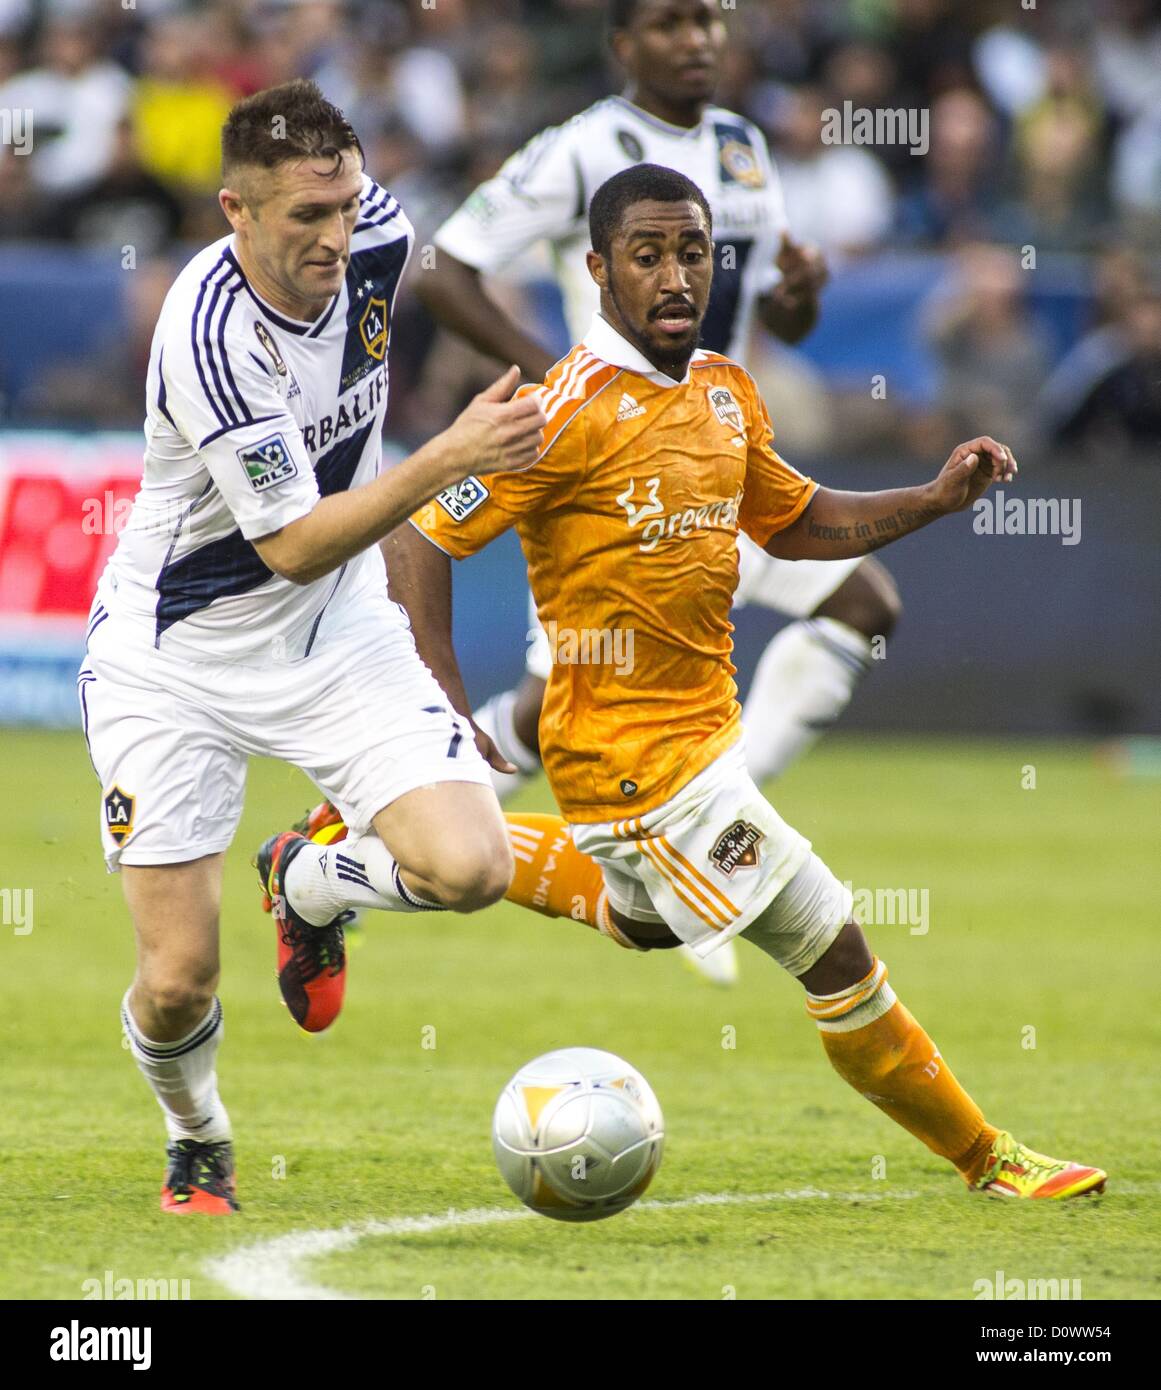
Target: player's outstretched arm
{"x": 494, "y": 434}
{"x": 841, "y": 525}
{"x": 454, "y": 294}
{"x": 419, "y": 579}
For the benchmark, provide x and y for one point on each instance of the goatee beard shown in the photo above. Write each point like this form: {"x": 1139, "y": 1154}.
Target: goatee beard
{"x": 672, "y": 361}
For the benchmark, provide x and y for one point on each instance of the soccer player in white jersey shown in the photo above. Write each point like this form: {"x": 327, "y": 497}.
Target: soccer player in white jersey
{"x": 245, "y": 611}
{"x": 671, "y": 51}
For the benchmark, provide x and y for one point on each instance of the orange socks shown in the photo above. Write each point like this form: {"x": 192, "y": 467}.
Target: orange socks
{"x": 878, "y": 1048}
{"x": 554, "y": 878}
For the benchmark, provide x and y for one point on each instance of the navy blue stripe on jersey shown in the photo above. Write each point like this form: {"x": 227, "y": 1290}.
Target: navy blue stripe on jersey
{"x": 382, "y": 264}
{"x": 324, "y": 319}
{"x": 217, "y": 434}
{"x": 197, "y": 325}
{"x": 717, "y": 328}
{"x": 264, "y": 365}
{"x": 376, "y": 201}
{"x": 202, "y": 327}
{"x": 322, "y": 610}
{"x": 230, "y": 565}
{"x": 336, "y": 468}
{"x": 222, "y": 569}
{"x": 379, "y": 219}
{"x": 161, "y": 392}
{"x": 213, "y": 340}
{"x": 287, "y": 325}
{"x": 243, "y": 408}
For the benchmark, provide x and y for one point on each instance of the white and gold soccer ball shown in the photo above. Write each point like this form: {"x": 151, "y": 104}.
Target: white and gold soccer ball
{"x": 578, "y": 1134}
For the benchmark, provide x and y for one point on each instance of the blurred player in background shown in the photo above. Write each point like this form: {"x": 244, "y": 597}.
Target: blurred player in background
{"x": 629, "y": 520}
{"x": 671, "y": 51}
{"x": 245, "y": 611}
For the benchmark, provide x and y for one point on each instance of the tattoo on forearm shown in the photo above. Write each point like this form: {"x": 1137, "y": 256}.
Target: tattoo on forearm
{"x": 879, "y": 531}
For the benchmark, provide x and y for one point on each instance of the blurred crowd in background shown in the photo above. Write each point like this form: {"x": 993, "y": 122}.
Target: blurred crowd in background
{"x": 1045, "y": 132}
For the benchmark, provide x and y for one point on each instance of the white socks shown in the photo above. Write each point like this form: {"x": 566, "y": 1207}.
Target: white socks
{"x": 804, "y": 681}
{"x": 181, "y": 1075}
{"x": 324, "y": 880}
{"x": 495, "y": 718}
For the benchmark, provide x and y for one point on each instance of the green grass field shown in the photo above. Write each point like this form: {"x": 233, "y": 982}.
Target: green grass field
{"x": 1042, "y": 917}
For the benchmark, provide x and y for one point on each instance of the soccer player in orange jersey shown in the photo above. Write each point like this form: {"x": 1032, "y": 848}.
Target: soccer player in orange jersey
{"x": 654, "y": 456}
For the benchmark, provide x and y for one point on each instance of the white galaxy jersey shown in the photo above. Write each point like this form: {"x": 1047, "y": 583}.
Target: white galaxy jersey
{"x": 543, "y": 193}
{"x": 250, "y": 418}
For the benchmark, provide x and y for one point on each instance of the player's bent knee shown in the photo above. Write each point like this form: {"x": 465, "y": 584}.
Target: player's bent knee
{"x": 472, "y": 881}
{"x": 868, "y": 601}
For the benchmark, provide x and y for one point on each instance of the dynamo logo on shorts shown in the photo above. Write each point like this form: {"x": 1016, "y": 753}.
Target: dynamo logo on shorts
{"x": 267, "y": 463}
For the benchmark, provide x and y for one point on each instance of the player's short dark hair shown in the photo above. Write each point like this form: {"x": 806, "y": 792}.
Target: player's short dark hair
{"x": 643, "y": 183}
{"x": 292, "y": 121}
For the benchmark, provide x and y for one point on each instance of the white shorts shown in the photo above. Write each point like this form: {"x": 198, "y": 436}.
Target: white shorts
{"x": 793, "y": 587}
{"x": 711, "y": 861}
{"x": 362, "y": 716}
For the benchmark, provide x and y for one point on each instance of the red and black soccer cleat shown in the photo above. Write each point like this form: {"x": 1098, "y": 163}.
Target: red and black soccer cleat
{"x": 312, "y": 961}
{"x": 200, "y": 1177}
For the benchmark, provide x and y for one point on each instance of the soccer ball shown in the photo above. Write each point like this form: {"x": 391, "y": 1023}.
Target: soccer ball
{"x": 578, "y": 1134}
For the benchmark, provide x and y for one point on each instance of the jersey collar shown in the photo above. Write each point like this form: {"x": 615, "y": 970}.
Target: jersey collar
{"x": 603, "y": 341}
{"x": 303, "y": 328}
{"x": 648, "y": 118}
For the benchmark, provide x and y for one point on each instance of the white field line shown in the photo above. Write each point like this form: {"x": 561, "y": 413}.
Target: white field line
{"x": 269, "y": 1269}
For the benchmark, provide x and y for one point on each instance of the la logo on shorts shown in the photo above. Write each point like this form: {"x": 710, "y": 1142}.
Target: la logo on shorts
{"x": 737, "y": 848}
{"x": 119, "y": 810}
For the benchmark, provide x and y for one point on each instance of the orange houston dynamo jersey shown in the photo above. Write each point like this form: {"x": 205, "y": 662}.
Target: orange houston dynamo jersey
{"x": 629, "y": 521}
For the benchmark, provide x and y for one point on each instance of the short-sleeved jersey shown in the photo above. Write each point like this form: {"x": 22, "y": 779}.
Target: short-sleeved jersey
{"x": 251, "y": 417}
{"x": 543, "y": 192}
{"x": 629, "y": 523}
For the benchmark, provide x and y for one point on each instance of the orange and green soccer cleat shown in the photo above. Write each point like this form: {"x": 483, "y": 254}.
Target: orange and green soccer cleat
{"x": 200, "y": 1177}
{"x": 312, "y": 961}
{"x": 1014, "y": 1171}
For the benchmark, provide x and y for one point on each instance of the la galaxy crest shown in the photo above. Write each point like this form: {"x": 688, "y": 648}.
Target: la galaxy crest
{"x": 120, "y": 808}
{"x": 373, "y": 327}
{"x": 737, "y": 156}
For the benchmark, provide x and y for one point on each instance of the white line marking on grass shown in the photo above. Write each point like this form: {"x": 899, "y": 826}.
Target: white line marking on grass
{"x": 269, "y": 1269}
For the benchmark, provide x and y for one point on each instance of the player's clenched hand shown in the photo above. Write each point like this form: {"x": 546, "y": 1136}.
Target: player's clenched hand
{"x": 804, "y": 269}
{"x": 499, "y": 434}
{"x": 970, "y": 471}
{"x": 490, "y": 753}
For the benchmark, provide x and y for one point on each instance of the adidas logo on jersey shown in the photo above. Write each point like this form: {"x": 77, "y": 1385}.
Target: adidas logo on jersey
{"x": 629, "y": 409}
